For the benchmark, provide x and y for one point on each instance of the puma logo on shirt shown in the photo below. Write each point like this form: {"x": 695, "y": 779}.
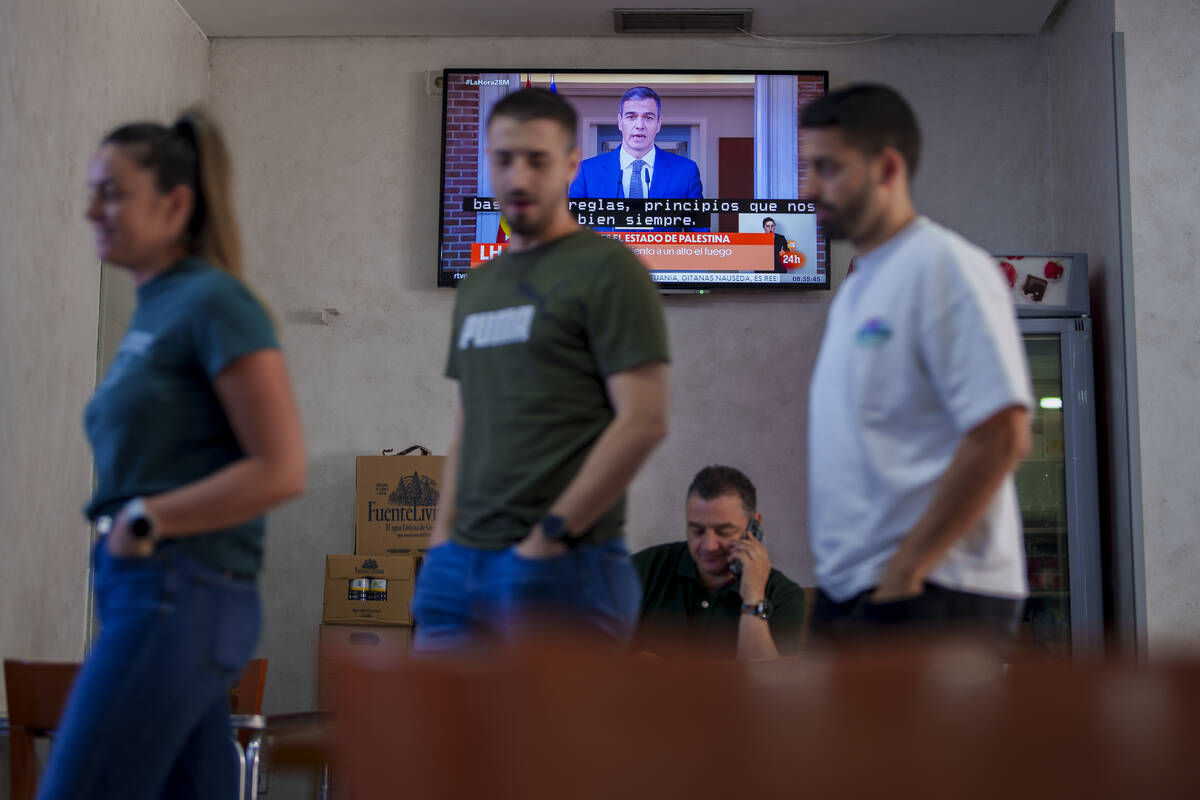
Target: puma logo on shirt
{"x": 496, "y": 328}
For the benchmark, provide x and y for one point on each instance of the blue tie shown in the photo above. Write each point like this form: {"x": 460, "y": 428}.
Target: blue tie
{"x": 636, "y": 192}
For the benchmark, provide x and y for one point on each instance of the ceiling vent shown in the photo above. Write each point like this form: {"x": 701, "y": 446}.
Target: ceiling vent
{"x": 696, "y": 21}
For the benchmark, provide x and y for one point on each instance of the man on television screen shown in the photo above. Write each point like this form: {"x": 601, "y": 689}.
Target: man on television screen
{"x": 639, "y": 168}
{"x": 781, "y": 245}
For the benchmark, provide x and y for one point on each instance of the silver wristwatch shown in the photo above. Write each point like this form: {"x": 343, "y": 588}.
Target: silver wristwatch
{"x": 761, "y": 609}
{"x": 142, "y": 524}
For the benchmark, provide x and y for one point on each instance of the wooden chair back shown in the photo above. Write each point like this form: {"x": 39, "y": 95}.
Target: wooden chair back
{"x": 37, "y": 693}
{"x": 247, "y": 694}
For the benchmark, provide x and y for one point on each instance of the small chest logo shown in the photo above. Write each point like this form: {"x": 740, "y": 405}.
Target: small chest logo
{"x": 873, "y": 333}
{"x": 496, "y": 328}
{"x": 136, "y": 343}
{"x": 133, "y": 347}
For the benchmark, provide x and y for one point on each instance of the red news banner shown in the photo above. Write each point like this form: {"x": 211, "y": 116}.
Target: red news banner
{"x": 706, "y": 252}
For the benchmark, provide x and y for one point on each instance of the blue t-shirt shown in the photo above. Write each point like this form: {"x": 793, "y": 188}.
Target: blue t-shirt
{"x": 155, "y": 422}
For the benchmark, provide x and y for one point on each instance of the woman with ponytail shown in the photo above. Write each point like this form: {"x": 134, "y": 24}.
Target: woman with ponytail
{"x": 196, "y": 436}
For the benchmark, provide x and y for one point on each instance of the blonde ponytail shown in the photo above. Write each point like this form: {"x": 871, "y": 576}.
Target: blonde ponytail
{"x": 215, "y": 234}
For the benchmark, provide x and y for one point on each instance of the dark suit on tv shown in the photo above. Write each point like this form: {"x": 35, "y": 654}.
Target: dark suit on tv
{"x": 674, "y": 176}
{"x": 780, "y": 244}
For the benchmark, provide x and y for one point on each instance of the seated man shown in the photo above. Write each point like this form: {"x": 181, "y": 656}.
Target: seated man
{"x": 691, "y": 597}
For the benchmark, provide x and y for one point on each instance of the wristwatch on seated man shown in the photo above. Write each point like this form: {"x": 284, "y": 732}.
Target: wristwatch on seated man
{"x": 761, "y": 609}
{"x": 554, "y": 528}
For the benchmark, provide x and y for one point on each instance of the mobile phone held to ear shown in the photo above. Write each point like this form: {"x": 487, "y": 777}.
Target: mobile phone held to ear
{"x": 755, "y": 530}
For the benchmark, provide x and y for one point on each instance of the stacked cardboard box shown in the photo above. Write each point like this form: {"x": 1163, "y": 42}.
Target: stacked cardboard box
{"x": 368, "y": 589}
{"x": 396, "y": 500}
{"x": 377, "y": 645}
{"x": 367, "y": 611}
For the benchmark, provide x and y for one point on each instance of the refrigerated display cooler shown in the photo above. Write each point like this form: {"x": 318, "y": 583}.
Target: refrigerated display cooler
{"x": 1057, "y": 483}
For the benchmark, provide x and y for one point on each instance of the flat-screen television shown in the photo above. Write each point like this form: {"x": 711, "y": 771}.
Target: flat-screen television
{"x": 715, "y": 203}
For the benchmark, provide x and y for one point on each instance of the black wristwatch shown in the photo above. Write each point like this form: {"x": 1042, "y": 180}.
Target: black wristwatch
{"x": 554, "y": 528}
{"x": 761, "y": 609}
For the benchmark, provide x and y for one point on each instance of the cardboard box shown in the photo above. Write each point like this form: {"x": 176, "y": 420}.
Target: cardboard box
{"x": 379, "y": 646}
{"x": 396, "y": 500}
{"x": 340, "y": 607}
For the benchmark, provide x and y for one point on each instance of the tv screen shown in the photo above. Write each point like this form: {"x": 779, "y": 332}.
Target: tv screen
{"x": 715, "y": 202}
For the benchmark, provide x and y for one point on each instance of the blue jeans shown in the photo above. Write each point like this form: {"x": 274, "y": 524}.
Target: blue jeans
{"x": 148, "y": 716}
{"x": 466, "y": 596}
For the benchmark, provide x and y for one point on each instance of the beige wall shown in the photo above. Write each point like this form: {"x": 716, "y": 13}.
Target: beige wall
{"x": 336, "y": 145}
{"x": 1162, "y": 63}
{"x": 70, "y": 69}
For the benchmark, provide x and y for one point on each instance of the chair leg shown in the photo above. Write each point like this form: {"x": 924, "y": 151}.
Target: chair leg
{"x": 253, "y": 753}
{"x": 22, "y": 764}
{"x": 241, "y": 769}
{"x": 323, "y": 786}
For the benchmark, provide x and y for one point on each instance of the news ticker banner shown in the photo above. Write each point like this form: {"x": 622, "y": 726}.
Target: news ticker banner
{"x": 655, "y": 212}
{"x": 686, "y": 252}
{"x": 742, "y": 278}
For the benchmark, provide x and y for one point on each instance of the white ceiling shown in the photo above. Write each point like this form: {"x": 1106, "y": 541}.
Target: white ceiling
{"x": 582, "y": 18}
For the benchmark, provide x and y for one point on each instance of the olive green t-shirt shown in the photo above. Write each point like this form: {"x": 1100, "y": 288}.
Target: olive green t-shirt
{"x": 535, "y": 335}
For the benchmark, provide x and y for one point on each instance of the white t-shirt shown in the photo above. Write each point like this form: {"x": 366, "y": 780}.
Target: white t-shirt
{"x": 921, "y": 345}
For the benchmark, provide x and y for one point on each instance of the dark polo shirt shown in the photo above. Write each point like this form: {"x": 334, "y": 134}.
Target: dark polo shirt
{"x": 679, "y": 614}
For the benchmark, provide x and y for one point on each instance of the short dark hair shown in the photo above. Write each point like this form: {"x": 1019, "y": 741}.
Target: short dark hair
{"x": 870, "y": 117}
{"x": 526, "y": 105}
{"x": 768, "y": 219}
{"x": 640, "y": 93}
{"x": 716, "y": 481}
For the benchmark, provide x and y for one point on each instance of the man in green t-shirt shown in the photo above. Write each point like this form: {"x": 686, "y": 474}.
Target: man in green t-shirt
{"x": 716, "y": 594}
{"x": 560, "y": 352}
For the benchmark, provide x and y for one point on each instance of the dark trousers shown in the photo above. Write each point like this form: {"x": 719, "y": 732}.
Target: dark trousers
{"x": 936, "y": 611}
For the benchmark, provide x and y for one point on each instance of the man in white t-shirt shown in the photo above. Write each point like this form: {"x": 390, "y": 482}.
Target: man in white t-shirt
{"x": 919, "y": 407}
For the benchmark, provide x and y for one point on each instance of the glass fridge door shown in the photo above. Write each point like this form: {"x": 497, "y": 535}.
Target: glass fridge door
{"x": 1056, "y": 487}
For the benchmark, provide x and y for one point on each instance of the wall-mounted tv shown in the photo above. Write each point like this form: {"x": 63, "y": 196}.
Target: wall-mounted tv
{"x": 715, "y": 203}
